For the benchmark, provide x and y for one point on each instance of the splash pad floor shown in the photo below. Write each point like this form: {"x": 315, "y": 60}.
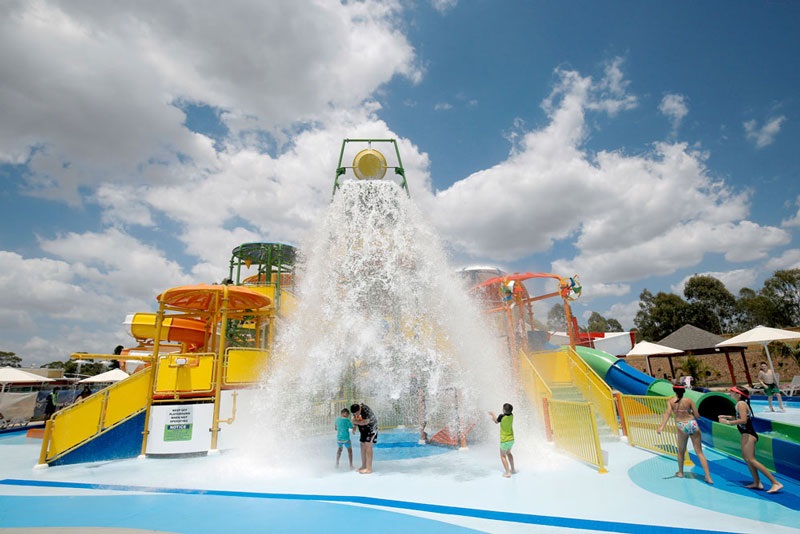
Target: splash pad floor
{"x": 431, "y": 491}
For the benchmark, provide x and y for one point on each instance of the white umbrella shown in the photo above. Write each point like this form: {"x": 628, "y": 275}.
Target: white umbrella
{"x": 763, "y": 336}
{"x": 647, "y": 349}
{"x": 12, "y": 375}
{"x": 114, "y": 375}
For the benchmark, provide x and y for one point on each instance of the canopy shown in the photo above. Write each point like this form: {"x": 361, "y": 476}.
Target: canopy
{"x": 12, "y": 375}
{"x": 761, "y": 335}
{"x": 209, "y": 297}
{"x": 645, "y": 348}
{"x": 114, "y": 375}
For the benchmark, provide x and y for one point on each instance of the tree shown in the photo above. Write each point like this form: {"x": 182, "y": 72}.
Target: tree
{"x": 659, "y": 315}
{"x": 710, "y": 303}
{"x": 783, "y": 290}
{"x": 753, "y": 309}
{"x": 9, "y": 359}
{"x": 598, "y": 323}
{"x": 557, "y": 318}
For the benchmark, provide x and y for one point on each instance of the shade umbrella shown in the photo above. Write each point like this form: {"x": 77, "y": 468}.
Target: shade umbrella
{"x": 114, "y": 375}
{"x": 12, "y": 375}
{"x": 647, "y": 349}
{"x": 762, "y": 335}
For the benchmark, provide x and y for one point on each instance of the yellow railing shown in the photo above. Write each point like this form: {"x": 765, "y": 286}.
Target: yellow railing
{"x": 575, "y": 431}
{"x": 570, "y": 425}
{"x": 533, "y": 384}
{"x": 80, "y": 422}
{"x": 594, "y": 389}
{"x": 185, "y": 374}
{"x": 244, "y": 366}
{"x": 641, "y": 417}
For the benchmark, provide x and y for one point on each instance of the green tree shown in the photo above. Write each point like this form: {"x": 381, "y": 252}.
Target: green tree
{"x": 697, "y": 369}
{"x": 598, "y": 323}
{"x": 659, "y": 315}
{"x": 557, "y": 318}
{"x": 711, "y": 304}
{"x": 9, "y": 359}
{"x": 783, "y": 290}
{"x": 753, "y": 309}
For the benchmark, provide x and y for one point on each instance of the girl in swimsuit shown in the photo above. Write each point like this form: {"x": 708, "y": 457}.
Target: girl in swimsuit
{"x": 744, "y": 422}
{"x": 684, "y": 411}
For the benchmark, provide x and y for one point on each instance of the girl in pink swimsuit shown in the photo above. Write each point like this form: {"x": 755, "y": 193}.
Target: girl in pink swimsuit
{"x": 684, "y": 411}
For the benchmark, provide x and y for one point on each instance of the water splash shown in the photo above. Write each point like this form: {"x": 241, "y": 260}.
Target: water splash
{"x": 383, "y": 318}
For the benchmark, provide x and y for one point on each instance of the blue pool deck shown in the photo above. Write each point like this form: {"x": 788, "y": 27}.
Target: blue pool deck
{"x": 419, "y": 489}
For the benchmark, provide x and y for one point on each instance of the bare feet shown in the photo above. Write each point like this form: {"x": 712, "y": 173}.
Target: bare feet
{"x": 679, "y": 474}
{"x": 514, "y": 471}
{"x": 755, "y": 485}
{"x": 365, "y": 471}
{"x": 506, "y": 475}
{"x": 775, "y": 488}
{"x": 709, "y": 481}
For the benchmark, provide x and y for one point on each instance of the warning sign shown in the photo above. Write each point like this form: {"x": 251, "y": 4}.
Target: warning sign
{"x": 179, "y": 424}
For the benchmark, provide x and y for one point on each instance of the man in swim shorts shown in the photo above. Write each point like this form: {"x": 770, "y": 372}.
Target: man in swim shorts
{"x": 770, "y": 384}
{"x": 367, "y": 423}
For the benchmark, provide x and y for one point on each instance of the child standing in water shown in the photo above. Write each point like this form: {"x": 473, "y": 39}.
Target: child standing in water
{"x": 343, "y": 426}
{"x": 506, "y": 422}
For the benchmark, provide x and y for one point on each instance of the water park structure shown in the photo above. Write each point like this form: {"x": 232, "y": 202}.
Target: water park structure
{"x": 228, "y": 413}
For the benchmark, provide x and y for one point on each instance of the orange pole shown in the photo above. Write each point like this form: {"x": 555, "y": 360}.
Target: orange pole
{"x": 548, "y": 426}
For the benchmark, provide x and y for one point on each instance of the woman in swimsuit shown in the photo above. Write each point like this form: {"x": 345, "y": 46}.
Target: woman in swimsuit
{"x": 684, "y": 411}
{"x": 744, "y": 422}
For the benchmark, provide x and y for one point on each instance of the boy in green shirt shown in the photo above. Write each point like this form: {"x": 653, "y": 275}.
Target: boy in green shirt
{"x": 506, "y": 422}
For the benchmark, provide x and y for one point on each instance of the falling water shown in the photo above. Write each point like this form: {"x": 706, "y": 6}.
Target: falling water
{"x": 383, "y": 318}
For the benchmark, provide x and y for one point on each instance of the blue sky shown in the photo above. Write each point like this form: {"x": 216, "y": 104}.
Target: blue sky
{"x": 633, "y": 143}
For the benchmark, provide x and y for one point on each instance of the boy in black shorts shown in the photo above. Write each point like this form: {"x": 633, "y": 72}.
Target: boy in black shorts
{"x": 367, "y": 423}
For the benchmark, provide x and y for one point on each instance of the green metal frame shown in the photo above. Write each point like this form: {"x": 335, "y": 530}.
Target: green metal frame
{"x": 399, "y": 170}
{"x": 268, "y": 258}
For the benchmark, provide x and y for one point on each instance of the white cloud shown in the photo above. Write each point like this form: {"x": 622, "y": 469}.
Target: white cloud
{"x": 443, "y": 6}
{"x": 794, "y": 221}
{"x": 95, "y": 87}
{"x": 790, "y": 259}
{"x": 624, "y": 312}
{"x": 764, "y": 135}
{"x": 629, "y": 217}
{"x": 675, "y": 108}
{"x": 442, "y": 106}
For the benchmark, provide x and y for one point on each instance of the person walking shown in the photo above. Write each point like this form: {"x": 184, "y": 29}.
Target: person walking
{"x": 684, "y": 410}
{"x": 744, "y": 422}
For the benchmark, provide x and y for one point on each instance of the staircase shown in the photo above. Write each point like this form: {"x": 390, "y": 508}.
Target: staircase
{"x": 565, "y": 391}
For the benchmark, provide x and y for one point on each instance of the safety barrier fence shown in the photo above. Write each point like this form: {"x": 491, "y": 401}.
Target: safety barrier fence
{"x": 534, "y": 386}
{"x": 594, "y": 389}
{"x": 641, "y": 416}
{"x": 574, "y": 430}
{"x": 178, "y": 377}
{"x": 570, "y": 425}
{"x": 95, "y": 415}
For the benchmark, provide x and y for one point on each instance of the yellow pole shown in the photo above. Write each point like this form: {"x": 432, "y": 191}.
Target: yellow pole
{"x": 153, "y": 369}
{"x": 218, "y": 368}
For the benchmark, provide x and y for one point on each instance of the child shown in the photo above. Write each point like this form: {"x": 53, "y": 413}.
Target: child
{"x": 770, "y": 384}
{"x": 343, "y": 426}
{"x": 506, "y": 421}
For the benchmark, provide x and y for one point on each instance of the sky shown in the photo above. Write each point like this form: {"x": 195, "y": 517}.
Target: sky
{"x": 632, "y": 143}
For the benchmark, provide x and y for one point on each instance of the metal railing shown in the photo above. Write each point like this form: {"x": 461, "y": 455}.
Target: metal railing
{"x": 575, "y": 432}
{"x": 80, "y": 422}
{"x": 641, "y": 416}
{"x": 594, "y": 389}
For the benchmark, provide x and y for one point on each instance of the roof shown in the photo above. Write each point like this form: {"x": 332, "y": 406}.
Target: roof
{"x": 689, "y": 337}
